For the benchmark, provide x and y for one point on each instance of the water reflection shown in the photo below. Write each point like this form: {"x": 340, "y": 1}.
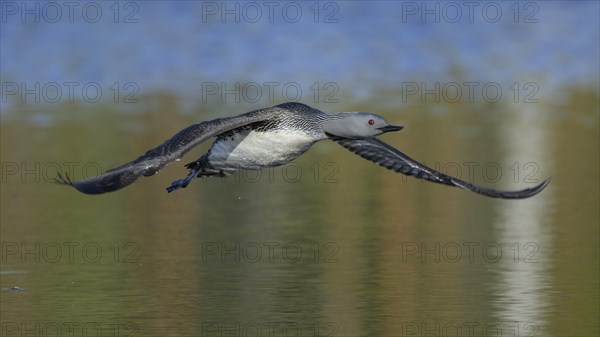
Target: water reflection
{"x": 225, "y": 254}
{"x": 523, "y": 280}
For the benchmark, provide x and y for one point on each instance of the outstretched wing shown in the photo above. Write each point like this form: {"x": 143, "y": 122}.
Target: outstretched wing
{"x": 385, "y": 155}
{"x": 172, "y": 149}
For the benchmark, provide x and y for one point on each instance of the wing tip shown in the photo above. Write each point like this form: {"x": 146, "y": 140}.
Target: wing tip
{"x": 63, "y": 180}
{"x": 81, "y": 186}
{"x": 541, "y": 186}
{"x": 528, "y": 192}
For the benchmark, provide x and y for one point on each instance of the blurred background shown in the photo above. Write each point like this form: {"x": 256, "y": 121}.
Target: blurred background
{"x": 503, "y": 94}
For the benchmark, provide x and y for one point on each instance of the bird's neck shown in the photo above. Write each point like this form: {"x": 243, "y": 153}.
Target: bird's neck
{"x": 334, "y": 126}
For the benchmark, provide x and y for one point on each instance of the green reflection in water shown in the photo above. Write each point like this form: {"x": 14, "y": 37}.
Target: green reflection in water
{"x": 327, "y": 250}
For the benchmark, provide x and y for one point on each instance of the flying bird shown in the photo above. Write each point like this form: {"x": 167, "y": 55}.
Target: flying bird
{"x": 271, "y": 137}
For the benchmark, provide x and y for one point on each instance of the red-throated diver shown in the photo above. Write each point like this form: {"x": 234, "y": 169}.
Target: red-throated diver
{"x": 275, "y": 136}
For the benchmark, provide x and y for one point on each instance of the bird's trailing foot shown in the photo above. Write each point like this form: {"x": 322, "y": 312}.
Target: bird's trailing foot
{"x": 182, "y": 183}
{"x": 198, "y": 168}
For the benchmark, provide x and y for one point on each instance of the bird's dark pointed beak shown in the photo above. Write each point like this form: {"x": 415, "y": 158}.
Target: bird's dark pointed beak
{"x": 390, "y": 128}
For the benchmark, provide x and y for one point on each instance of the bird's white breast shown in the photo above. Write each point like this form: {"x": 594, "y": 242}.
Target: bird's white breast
{"x": 255, "y": 150}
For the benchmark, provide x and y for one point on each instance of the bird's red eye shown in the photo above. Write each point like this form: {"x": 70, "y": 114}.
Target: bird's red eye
{"x": 371, "y": 121}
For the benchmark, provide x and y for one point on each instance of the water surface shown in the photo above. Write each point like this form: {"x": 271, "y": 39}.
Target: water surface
{"x": 330, "y": 245}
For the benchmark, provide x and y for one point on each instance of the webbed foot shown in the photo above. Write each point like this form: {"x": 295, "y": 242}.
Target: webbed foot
{"x": 182, "y": 183}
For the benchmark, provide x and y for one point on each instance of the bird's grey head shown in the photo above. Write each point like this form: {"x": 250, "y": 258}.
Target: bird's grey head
{"x": 357, "y": 125}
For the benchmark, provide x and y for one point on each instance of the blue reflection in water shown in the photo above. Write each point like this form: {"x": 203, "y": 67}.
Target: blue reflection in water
{"x": 175, "y": 47}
